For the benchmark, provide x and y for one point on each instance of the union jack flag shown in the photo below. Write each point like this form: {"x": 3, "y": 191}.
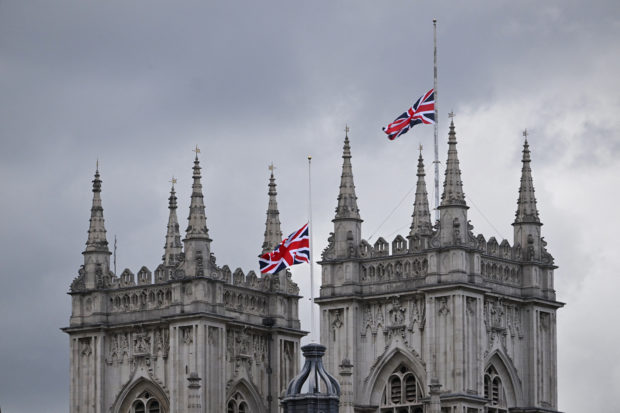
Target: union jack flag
{"x": 294, "y": 249}
{"x": 422, "y": 111}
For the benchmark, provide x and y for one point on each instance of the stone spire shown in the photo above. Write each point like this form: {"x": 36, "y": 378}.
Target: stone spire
{"x": 421, "y": 223}
{"x": 527, "y": 225}
{"x": 96, "y": 255}
{"x": 453, "y": 224}
{"x": 347, "y": 223}
{"x": 526, "y": 204}
{"x": 197, "y": 227}
{"x": 197, "y": 242}
{"x": 97, "y": 241}
{"x": 452, "y": 185}
{"x": 273, "y": 233}
{"x": 173, "y": 247}
{"x": 347, "y": 200}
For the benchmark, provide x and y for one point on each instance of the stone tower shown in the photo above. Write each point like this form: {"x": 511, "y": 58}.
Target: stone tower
{"x": 190, "y": 337}
{"x": 442, "y": 321}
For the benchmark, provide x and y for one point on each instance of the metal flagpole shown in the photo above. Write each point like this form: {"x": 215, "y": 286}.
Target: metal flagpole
{"x": 436, "y": 121}
{"x": 114, "y": 254}
{"x": 312, "y": 329}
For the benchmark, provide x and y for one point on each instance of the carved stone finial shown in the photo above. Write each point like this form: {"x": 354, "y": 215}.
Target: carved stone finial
{"x": 453, "y": 186}
{"x": 273, "y": 233}
{"x": 97, "y": 241}
{"x": 197, "y": 243}
{"x": 173, "y": 247}
{"x": 421, "y": 217}
{"x": 347, "y": 199}
{"x": 527, "y": 211}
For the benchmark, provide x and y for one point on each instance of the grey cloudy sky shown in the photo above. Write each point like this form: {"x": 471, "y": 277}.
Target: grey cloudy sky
{"x": 137, "y": 84}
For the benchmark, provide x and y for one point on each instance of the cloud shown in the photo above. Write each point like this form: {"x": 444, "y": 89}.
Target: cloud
{"x": 139, "y": 85}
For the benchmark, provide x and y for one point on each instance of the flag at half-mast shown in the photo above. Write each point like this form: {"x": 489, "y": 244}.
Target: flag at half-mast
{"x": 422, "y": 111}
{"x": 294, "y": 249}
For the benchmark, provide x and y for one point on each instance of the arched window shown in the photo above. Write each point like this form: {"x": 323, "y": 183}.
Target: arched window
{"x": 138, "y": 407}
{"x": 237, "y": 404}
{"x": 402, "y": 393}
{"x": 494, "y": 392}
{"x": 145, "y": 403}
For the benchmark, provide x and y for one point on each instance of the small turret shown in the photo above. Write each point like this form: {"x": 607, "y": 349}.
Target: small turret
{"x": 527, "y": 222}
{"x": 452, "y": 185}
{"x": 347, "y": 222}
{"x": 173, "y": 248}
{"x": 453, "y": 208}
{"x": 197, "y": 242}
{"x": 273, "y": 233}
{"x": 421, "y": 226}
{"x": 526, "y": 204}
{"x": 97, "y": 253}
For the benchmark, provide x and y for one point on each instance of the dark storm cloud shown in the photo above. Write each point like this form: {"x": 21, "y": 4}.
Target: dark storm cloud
{"x": 138, "y": 84}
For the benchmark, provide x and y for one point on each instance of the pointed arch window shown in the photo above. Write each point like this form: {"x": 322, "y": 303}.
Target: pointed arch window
{"x": 145, "y": 403}
{"x": 237, "y": 404}
{"x": 494, "y": 391}
{"x": 402, "y": 393}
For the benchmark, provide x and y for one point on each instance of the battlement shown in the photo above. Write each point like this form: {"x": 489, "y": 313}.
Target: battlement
{"x": 230, "y": 295}
{"x": 402, "y": 265}
{"x": 187, "y": 281}
{"x": 163, "y": 275}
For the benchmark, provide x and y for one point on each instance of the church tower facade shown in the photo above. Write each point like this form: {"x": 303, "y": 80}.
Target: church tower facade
{"x": 190, "y": 337}
{"x": 442, "y": 321}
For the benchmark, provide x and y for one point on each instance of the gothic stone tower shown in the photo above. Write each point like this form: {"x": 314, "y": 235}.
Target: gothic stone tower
{"x": 192, "y": 337}
{"x": 443, "y": 321}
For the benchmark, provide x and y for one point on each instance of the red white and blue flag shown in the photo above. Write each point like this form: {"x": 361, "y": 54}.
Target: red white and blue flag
{"x": 422, "y": 111}
{"x": 294, "y": 249}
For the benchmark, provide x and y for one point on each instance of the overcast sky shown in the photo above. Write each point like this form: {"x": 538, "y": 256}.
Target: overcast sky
{"x": 136, "y": 84}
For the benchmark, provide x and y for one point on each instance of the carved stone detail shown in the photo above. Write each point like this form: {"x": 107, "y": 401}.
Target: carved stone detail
{"x": 187, "y": 335}
{"x": 245, "y": 347}
{"x": 396, "y": 269}
{"x": 501, "y": 272}
{"x": 141, "y": 343}
{"x": 443, "y": 308}
{"x": 242, "y": 301}
{"x": 144, "y": 343}
{"x": 402, "y": 315}
{"x": 85, "y": 346}
{"x": 152, "y": 297}
{"x": 329, "y": 251}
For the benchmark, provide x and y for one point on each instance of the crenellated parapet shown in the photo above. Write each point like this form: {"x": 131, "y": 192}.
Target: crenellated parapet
{"x": 188, "y": 280}
{"x": 442, "y": 314}
{"x": 140, "y": 299}
{"x": 385, "y": 263}
{"x": 188, "y": 336}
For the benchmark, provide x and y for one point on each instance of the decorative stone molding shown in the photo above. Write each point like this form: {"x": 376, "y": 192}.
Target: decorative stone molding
{"x": 152, "y": 297}
{"x": 152, "y": 343}
{"x": 394, "y": 269}
{"x": 499, "y": 271}
{"x": 245, "y": 302}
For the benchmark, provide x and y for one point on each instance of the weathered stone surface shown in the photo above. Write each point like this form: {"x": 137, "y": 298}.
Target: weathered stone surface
{"x": 451, "y": 323}
{"x": 193, "y": 338}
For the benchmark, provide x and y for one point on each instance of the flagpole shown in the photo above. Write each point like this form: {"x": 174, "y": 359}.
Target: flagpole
{"x": 436, "y": 120}
{"x": 114, "y": 254}
{"x": 312, "y": 329}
